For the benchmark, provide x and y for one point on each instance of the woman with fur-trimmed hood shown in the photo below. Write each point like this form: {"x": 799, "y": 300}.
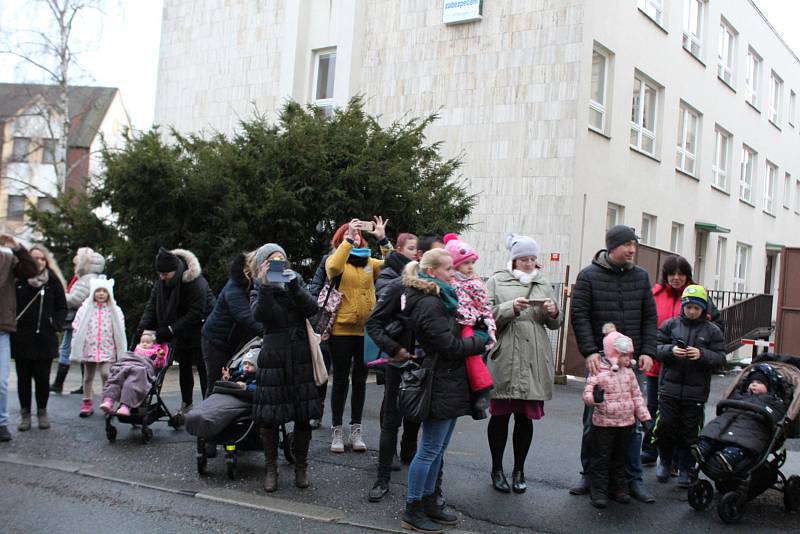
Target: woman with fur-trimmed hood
{"x": 179, "y": 303}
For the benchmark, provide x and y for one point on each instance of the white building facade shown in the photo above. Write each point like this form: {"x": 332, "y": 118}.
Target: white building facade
{"x": 676, "y": 117}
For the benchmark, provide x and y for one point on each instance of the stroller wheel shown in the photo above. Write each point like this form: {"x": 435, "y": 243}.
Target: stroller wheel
{"x": 700, "y": 495}
{"x": 791, "y": 494}
{"x": 111, "y": 433}
{"x": 731, "y": 507}
{"x": 288, "y": 447}
{"x": 147, "y": 435}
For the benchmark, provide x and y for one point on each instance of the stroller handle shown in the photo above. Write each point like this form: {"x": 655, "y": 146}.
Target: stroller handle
{"x": 766, "y": 416}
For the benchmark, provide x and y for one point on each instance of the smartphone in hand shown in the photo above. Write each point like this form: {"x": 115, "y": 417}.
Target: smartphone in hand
{"x": 367, "y": 226}
{"x": 275, "y": 271}
{"x": 537, "y": 302}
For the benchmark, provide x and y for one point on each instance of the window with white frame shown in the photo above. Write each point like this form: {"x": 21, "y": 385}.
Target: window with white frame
{"x": 770, "y": 177}
{"x": 747, "y": 176}
{"x": 722, "y": 148}
{"x": 21, "y": 149}
{"x": 324, "y": 76}
{"x": 643, "y": 115}
{"x": 792, "y": 109}
{"x": 598, "y": 99}
{"x": 676, "y": 238}
{"x": 726, "y": 52}
{"x": 15, "y": 210}
{"x": 741, "y": 267}
{"x": 693, "y": 21}
{"x": 615, "y": 214}
{"x": 775, "y": 97}
{"x": 752, "y": 77}
{"x": 719, "y": 265}
{"x": 688, "y": 127}
{"x": 787, "y": 190}
{"x": 654, "y": 9}
{"x": 648, "y": 232}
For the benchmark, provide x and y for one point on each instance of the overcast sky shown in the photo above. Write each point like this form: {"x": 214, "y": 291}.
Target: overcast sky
{"x": 122, "y": 46}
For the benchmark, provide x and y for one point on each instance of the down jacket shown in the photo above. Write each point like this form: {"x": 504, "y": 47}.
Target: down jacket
{"x": 36, "y": 337}
{"x": 605, "y": 293}
{"x": 88, "y": 264}
{"x": 439, "y": 334}
{"x": 623, "y": 404}
{"x": 743, "y": 428}
{"x": 682, "y": 378}
{"x": 285, "y": 389}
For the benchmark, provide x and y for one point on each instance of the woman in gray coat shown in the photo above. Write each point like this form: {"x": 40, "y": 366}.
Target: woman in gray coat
{"x": 521, "y": 362}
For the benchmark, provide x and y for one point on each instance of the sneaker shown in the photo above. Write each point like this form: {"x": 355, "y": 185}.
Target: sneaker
{"x": 123, "y": 410}
{"x": 337, "y": 442}
{"x": 378, "y": 491}
{"x": 5, "y": 435}
{"x": 662, "y": 471}
{"x": 86, "y": 408}
{"x": 107, "y": 405}
{"x": 357, "y": 439}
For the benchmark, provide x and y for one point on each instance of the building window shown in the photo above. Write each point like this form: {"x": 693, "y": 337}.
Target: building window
{"x": 676, "y": 238}
{"x": 787, "y": 190}
{"x": 775, "y": 97}
{"x": 324, "y": 75}
{"x": 654, "y": 9}
{"x": 752, "y": 77}
{"x": 599, "y": 91}
{"x": 21, "y": 149}
{"x": 688, "y": 126}
{"x": 615, "y": 214}
{"x": 792, "y": 108}
{"x": 726, "y": 52}
{"x": 648, "y": 236}
{"x": 741, "y": 267}
{"x": 747, "y": 176}
{"x": 45, "y": 204}
{"x": 719, "y": 265}
{"x": 693, "y": 20}
{"x": 770, "y": 177}
{"x": 16, "y": 208}
{"x": 48, "y": 151}
{"x": 719, "y": 169}
{"x": 643, "y": 115}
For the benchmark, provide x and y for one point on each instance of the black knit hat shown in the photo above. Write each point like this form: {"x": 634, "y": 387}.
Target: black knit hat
{"x": 619, "y": 235}
{"x": 758, "y": 374}
{"x": 166, "y": 261}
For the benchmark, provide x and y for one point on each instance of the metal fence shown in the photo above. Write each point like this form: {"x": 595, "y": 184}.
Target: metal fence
{"x": 725, "y": 299}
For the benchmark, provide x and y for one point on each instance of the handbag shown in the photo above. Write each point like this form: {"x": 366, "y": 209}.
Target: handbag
{"x": 416, "y": 385}
{"x": 329, "y": 300}
{"x": 314, "y": 340}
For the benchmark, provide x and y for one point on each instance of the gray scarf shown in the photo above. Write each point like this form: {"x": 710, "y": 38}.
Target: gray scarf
{"x": 40, "y": 279}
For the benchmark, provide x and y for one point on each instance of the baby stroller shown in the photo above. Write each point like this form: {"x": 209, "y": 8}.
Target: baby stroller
{"x": 752, "y": 477}
{"x": 153, "y": 409}
{"x": 242, "y": 434}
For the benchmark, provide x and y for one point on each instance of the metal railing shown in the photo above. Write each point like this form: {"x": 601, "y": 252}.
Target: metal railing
{"x": 748, "y": 318}
{"x": 724, "y": 299}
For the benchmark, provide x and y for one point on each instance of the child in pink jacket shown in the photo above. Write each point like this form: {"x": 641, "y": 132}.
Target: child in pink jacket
{"x": 618, "y": 403}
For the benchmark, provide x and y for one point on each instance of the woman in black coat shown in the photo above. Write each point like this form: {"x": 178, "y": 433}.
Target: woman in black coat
{"x": 42, "y": 307}
{"x": 285, "y": 389}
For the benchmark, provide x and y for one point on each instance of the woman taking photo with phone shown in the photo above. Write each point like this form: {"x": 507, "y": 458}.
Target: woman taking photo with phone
{"x": 521, "y": 363}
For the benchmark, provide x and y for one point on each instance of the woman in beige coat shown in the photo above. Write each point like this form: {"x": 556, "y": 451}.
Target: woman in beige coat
{"x": 521, "y": 363}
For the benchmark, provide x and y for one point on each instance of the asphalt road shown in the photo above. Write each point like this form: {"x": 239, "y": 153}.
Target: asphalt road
{"x": 75, "y": 446}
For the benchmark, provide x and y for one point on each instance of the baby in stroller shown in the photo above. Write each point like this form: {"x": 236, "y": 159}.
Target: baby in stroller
{"x": 131, "y": 378}
{"x": 242, "y": 376}
{"x": 738, "y": 436}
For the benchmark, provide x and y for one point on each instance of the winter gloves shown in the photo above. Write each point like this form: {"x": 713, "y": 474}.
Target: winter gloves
{"x": 598, "y": 394}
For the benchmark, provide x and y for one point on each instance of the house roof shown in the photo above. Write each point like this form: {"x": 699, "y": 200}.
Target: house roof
{"x": 87, "y": 106}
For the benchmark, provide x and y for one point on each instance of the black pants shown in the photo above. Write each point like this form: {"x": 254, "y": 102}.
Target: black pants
{"x": 215, "y": 359}
{"x": 678, "y": 423}
{"x": 38, "y": 372}
{"x": 648, "y": 445}
{"x": 610, "y": 446}
{"x": 187, "y": 357}
{"x": 348, "y": 352}
{"x": 390, "y": 424}
{"x": 521, "y": 439}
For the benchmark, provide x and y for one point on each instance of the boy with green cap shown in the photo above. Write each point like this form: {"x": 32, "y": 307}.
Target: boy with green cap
{"x": 690, "y": 348}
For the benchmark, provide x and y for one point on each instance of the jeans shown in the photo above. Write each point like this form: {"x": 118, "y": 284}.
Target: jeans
{"x": 424, "y": 469}
{"x": 38, "y": 372}
{"x": 66, "y": 348}
{"x": 633, "y": 467}
{"x": 390, "y": 424}
{"x": 5, "y": 369}
{"x": 347, "y": 351}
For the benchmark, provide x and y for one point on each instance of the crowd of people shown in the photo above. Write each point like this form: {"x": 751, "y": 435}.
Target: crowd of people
{"x": 473, "y": 347}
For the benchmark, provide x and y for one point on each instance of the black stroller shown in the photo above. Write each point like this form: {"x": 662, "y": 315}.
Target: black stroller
{"x": 753, "y": 477}
{"x": 242, "y": 434}
{"x": 153, "y": 409}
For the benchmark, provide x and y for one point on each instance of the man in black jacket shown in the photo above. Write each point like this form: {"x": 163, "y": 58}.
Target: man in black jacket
{"x": 615, "y": 290}
{"x": 179, "y": 303}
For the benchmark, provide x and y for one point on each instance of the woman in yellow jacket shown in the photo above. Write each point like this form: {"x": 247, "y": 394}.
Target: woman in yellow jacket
{"x": 353, "y": 262}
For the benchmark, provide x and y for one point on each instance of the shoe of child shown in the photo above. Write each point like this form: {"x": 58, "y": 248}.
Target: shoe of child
{"x": 107, "y": 405}
{"x": 662, "y": 471}
{"x": 123, "y": 410}
{"x": 86, "y": 408}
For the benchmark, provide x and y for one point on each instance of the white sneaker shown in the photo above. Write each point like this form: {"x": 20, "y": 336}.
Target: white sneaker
{"x": 337, "y": 443}
{"x": 356, "y": 439}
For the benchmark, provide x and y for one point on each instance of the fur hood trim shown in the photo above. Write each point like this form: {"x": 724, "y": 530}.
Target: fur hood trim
{"x": 193, "y": 270}
{"x": 414, "y": 282}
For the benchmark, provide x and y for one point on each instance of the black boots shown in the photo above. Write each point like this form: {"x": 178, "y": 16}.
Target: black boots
{"x": 61, "y": 375}
{"x": 269, "y": 438}
{"x": 500, "y": 482}
{"x": 518, "y": 484}
{"x": 436, "y": 511}
{"x": 302, "y": 439}
{"x": 414, "y": 518}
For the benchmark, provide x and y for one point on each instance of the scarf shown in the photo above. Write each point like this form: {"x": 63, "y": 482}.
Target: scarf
{"x": 168, "y": 297}
{"x": 396, "y": 262}
{"x": 446, "y": 292}
{"x": 361, "y": 252}
{"x": 40, "y": 279}
{"x": 359, "y": 260}
{"x": 523, "y": 277}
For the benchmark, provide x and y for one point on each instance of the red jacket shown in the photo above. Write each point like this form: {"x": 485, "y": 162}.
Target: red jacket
{"x": 668, "y": 305}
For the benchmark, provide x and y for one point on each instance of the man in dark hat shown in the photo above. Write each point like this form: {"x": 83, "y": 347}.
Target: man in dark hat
{"x": 179, "y": 303}
{"x": 613, "y": 289}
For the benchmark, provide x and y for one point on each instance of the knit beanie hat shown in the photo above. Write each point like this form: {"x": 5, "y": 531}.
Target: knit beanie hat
{"x": 521, "y": 245}
{"x": 619, "y": 235}
{"x": 166, "y": 261}
{"x": 759, "y": 375}
{"x": 459, "y": 250}
{"x": 265, "y": 251}
{"x": 615, "y": 344}
{"x": 101, "y": 282}
{"x": 251, "y": 357}
{"x": 695, "y": 294}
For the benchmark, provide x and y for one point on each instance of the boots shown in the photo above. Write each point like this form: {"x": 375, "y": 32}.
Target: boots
{"x": 24, "y": 421}
{"x": 436, "y": 512}
{"x": 41, "y": 415}
{"x": 414, "y": 518}
{"x": 302, "y": 438}
{"x": 269, "y": 438}
{"x": 61, "y": 375}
